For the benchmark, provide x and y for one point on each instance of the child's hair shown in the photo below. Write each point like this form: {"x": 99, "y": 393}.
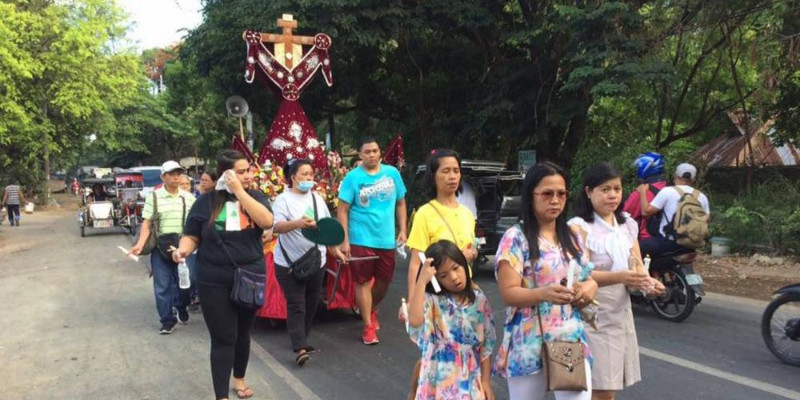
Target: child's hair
{"x": 439, "y": 252}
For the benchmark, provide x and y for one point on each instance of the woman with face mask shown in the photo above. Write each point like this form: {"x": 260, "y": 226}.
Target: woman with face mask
{"x": 294, "y": 210}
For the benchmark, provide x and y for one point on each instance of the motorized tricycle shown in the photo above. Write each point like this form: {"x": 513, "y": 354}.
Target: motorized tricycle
{"x": 112, "y": 202}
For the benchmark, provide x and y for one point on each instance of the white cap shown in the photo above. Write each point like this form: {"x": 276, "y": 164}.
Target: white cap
{"x": 170, "y": 166}
{"x": 686, "y": 171}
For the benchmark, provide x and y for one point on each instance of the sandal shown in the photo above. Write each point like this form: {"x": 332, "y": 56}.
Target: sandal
{"x": 242, "y": 393}
{"x": 302, "y": 358}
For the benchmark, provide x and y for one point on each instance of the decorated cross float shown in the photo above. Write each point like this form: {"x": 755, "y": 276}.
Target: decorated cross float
{"x": 283, "y": 64}
{"x": 286, "y": 64}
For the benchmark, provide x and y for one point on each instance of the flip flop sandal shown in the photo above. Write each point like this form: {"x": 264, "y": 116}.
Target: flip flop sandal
{"x": 302, "y": 358}
{"x": 242, "y": 393}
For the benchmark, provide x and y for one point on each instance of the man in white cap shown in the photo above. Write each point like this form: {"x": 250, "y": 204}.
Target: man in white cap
{"x": 172, "y": 204}
{"x": 666, "y": 203}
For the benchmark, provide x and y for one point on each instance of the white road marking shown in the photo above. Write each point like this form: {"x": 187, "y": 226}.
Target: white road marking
{"x": 741, "y": 380}
{"x": 295, "y": 384}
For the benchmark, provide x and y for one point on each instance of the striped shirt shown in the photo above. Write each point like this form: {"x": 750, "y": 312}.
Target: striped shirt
{"x": 13, "y": 194}
{"x": 170, "y": 210}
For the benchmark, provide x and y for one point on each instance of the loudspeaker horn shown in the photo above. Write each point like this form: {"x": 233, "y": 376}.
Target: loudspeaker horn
{"x": 237, "y": 106}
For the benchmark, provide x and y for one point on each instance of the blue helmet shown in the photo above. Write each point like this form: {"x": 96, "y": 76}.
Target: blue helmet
{"x": 649, "y": 164}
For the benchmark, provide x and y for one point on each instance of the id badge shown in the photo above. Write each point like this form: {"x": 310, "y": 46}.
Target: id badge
{"x": 232, "y": 221}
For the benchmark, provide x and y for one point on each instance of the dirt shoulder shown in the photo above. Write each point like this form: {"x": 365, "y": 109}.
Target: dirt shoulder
{"x": 756, "y": 277}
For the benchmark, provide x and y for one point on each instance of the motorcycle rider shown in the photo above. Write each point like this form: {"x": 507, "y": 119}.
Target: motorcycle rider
{"x": 666, "y": 202}
{"x": 650, "y": 171}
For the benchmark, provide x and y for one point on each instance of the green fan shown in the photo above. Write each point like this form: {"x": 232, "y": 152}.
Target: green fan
{"x": 329, "y": 232}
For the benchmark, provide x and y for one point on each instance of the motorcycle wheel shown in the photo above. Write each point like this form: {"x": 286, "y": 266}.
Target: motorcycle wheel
{"x": 83, "y": 231}
{"x": 678, "y": 300}
{"x": 132, "y": 225}
{"x": 780, "y": 328}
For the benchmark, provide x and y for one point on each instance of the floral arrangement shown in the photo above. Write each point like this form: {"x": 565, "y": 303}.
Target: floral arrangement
{"x": 269, "y": 179}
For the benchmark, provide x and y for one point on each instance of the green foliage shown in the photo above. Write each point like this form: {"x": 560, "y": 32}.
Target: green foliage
{"x": 60, "y": 81}
{"x": 768, "y": 216}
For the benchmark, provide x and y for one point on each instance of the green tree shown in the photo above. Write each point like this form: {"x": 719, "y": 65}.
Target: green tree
{"x": 75, "y": 83}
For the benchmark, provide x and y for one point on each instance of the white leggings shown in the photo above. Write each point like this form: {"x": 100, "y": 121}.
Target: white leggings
{"x": 534, "y": 387}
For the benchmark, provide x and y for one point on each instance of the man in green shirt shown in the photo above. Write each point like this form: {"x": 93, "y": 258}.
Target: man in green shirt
{"x": 173, "y": 206}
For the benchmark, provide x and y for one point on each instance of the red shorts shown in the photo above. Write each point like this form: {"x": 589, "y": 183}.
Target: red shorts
{"x": 381, "y": 269}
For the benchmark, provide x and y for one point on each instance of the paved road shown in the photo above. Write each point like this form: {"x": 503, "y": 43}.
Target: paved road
{"x": 79, "y": 322}
{"x": 716, "y": 354}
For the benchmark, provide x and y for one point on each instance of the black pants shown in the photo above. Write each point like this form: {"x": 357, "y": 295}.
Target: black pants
{"x": 659, "y": 245}
{"x": 13, "y": 213}
{"x": 301, "y": 303}
{"x": 229, "y": 327}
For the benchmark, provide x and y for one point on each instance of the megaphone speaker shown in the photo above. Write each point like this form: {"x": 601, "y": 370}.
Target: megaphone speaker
{"x": 237, "y": 106}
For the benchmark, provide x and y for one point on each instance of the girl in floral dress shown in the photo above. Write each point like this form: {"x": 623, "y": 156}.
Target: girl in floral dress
{"x": 453, "y": 329}
{"x": 541, "y": 248}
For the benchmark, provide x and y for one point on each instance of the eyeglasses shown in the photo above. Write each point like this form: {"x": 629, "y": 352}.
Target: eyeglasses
{"x": 548, "y": 195}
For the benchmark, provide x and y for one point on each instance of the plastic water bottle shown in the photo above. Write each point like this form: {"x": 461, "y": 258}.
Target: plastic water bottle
{"x": 404, "y": 307}
{"x": 401, "y": 250}
{"x": 183, "y": 276}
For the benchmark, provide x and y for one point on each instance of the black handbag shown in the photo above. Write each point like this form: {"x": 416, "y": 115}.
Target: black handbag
{"x": 170, "y": 240}
{"x": 310, "y": 262}
{"x": 248, "y": 290}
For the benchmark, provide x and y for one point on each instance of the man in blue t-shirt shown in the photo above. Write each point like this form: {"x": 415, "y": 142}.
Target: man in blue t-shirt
{"x": 372, "y": 210}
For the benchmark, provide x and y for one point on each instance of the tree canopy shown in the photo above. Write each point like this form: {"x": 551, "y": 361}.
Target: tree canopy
{"x": 577, "y": 81}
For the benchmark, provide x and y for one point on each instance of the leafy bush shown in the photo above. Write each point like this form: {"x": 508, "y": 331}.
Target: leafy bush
{"x": 767, "y": 216}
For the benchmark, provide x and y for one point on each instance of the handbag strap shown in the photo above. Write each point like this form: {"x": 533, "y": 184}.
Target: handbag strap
{"x": 316, "y": 218}
{"x": 452, "y": 233}
{"x": 221, "y": 243}
{"x": 155, "y": 218}
{"x": 538, "y": 310}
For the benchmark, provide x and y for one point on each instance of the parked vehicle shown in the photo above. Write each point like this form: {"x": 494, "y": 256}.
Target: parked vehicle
{"x": 683, "y": 287}
{"x": 780, "y": 324}
{"x": 152, "y": 178}
{"x": 497, "y": 200}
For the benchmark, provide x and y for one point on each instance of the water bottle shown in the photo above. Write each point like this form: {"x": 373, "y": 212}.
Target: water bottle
{"x": 183, "y": 276}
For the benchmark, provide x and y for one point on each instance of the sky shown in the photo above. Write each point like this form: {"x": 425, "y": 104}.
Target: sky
{"x": 157, "y": 23}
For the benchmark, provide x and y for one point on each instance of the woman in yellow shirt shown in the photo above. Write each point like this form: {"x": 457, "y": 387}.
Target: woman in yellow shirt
{"x": 442, "y": 218}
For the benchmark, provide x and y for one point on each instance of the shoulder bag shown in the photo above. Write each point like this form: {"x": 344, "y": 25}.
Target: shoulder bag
{"x": 309, "y": 263}
{"x": 151, "y": 242}
{"x": 168, "y": 240}
{"x": 563, "y": 361}
{"x": 249, "y": 288}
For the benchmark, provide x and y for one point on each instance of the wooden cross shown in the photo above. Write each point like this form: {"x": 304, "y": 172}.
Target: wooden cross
{"x": 291, "y": 46}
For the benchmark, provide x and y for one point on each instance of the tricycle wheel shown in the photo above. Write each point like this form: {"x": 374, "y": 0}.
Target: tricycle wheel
{"x": 132, "y": 225}
{"x": 83, "y": 231}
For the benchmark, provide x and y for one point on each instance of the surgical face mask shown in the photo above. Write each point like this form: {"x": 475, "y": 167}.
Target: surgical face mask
{"x": 305, "y": 186}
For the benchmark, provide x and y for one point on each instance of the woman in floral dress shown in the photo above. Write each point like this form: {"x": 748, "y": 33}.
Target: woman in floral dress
{"x": 541, "y": 248}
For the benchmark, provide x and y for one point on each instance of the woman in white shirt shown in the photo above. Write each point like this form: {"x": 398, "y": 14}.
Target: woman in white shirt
{"x": 610, "y": 241}
{"x": 294, "y": 210}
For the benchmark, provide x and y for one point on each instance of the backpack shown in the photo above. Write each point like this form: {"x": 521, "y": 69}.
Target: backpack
{"x": 690, "y": 223}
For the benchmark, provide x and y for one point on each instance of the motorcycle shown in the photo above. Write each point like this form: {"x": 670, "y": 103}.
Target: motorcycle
{"x": 780, "y": 324}
{"x": 683, "y": 288}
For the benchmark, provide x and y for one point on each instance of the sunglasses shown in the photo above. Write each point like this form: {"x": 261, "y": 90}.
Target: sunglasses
{"x": 548, "y": 195}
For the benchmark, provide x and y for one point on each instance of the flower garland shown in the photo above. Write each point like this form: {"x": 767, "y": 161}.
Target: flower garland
{"x": 269, "y": 179}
